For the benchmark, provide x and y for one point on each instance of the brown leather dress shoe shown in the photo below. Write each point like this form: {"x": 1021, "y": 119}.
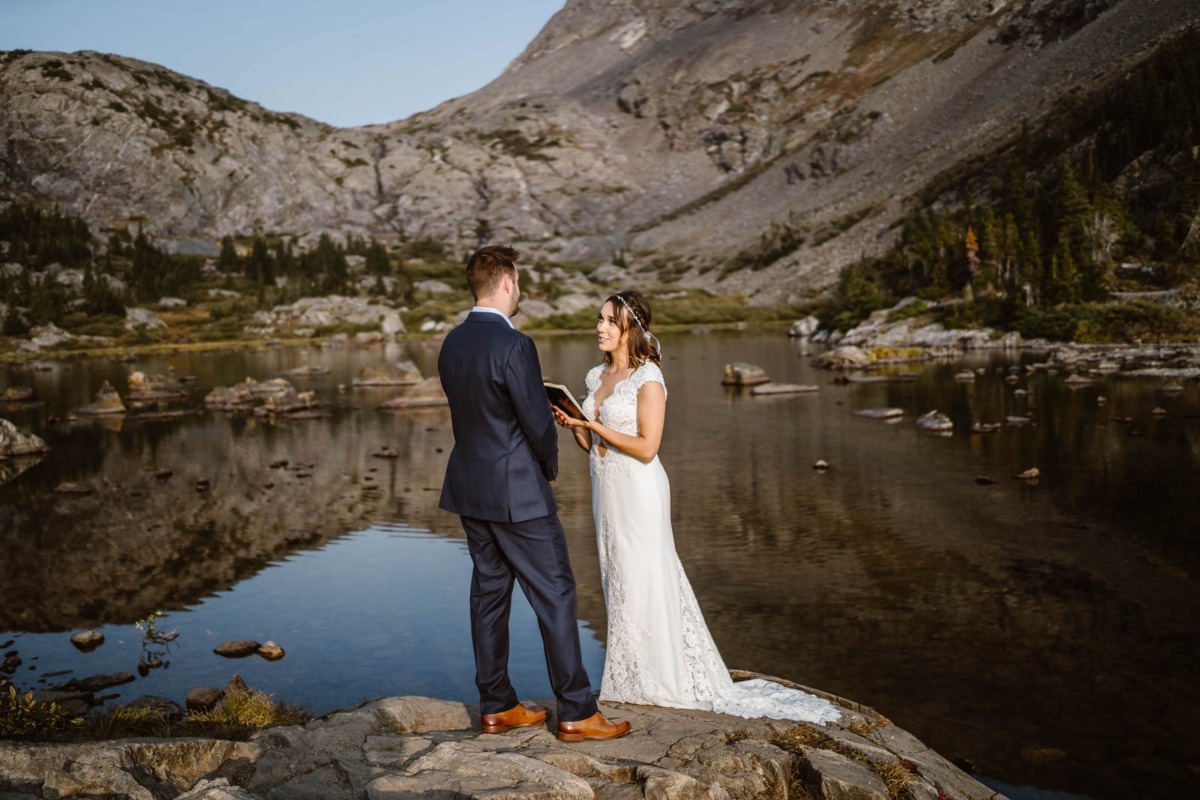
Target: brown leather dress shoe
{"x": 518, "y": 716}
{"x": 594, "y": 727}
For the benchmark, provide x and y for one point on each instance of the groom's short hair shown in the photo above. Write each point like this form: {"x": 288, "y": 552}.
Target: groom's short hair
{"x": 487, "y": 266}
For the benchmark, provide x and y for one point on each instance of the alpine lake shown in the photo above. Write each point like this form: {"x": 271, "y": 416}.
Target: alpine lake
{"x": 1043, "y": 633}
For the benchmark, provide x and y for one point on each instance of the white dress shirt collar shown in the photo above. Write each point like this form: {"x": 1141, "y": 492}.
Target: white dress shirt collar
{"x": 496, "y": 311}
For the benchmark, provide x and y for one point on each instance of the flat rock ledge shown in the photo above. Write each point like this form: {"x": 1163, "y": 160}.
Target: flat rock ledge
{"x": 415, "y": 747}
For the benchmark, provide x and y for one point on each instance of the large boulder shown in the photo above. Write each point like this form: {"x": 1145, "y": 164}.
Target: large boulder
{"x": 44, "y": 336}
{"x": 392, "y": 325}
{"x": 804, "y": 328}
{"x": 142, "y": 318}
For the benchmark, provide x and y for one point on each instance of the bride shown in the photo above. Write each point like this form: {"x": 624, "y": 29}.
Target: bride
{"x": 659, "y": 649}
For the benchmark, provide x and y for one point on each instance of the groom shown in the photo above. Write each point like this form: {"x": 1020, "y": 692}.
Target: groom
{"x": 498, "y": 481}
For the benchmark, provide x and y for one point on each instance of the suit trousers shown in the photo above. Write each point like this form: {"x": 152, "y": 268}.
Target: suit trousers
{"x": 534, "y": 553}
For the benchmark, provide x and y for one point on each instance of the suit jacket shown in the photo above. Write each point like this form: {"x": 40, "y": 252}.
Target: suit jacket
{"x": 505, "y": 443}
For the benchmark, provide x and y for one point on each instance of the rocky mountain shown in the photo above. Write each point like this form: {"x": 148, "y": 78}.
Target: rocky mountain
{"x": 752, "y": 146}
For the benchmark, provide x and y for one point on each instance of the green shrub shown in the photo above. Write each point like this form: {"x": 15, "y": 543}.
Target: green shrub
{"x": 1057, "y": 324}
{"x": 21, "y": 717}
{"x": 1136, "y": 321}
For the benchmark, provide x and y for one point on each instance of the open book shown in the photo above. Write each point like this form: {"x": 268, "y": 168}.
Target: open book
{"x": 561, "y": 397}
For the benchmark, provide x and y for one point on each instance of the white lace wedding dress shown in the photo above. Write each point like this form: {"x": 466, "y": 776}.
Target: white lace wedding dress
{"x": 659, "y": 649}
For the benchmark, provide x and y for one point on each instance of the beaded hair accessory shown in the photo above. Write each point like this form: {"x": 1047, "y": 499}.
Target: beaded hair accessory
{"x": 646, "y": 333}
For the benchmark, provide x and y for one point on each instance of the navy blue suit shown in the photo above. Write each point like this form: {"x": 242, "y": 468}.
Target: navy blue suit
{"x": 498, "y": 481}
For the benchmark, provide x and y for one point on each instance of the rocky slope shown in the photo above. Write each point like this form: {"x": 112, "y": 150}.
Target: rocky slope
{"x": 413, "y": 747}
{"x": 785, "y": 138}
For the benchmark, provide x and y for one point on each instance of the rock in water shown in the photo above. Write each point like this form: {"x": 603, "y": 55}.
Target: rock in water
{"x": 880, "y": 413}
{"x": 739, "y": 373}
{"x": 236, "y": 649}
{"x": 782, "y": 388}
{"x": 96, "y": 683}
{"x": 271, "y": 651}
{"x": 24, "y": 394}
{"x": 15, "y": 443}
{"x": 935, "y": 422}
{"x": 107, "y": 402}
{"x": 87, "y": 640}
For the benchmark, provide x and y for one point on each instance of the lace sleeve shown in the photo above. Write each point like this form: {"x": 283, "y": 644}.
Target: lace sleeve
{"x": 647, "y": 372}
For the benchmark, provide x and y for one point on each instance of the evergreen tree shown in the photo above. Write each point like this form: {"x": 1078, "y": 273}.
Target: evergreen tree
{"x": 228, "y": 261}
{"x": 377, "y": 260}
{"x": 261, "y": 268}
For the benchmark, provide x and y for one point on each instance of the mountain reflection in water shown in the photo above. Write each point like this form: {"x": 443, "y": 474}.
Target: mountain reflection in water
{"x": 1044, "y": 632}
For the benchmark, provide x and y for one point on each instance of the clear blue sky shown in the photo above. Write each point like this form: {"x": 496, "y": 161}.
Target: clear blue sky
{"x": 352, "y": 62}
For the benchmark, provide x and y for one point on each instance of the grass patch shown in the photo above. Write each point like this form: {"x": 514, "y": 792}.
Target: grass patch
{"x": 125, "y": 722}
{"x": 241, "y": 713}
{"x": 245, "y": 711}
{"x": 897, "y": 778}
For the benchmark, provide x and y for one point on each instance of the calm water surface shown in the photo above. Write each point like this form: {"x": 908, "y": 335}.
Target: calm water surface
{"x": 1046, "y": 634}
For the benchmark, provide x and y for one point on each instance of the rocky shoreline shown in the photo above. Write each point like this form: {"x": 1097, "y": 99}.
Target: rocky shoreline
{"x": 418, "y": 747}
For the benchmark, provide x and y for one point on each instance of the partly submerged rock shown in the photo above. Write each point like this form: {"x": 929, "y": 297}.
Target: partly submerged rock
{"x": 270, "y": 651}
{"x": 880, "y": 413}
{"x": 935, "y": 422}
{"x": 782, "y": 388}
{"x": 87, "y": 640}
{"x": 739, "y": 373}
{"x": 237, "y": 649}
{"x": 107, "y": 402}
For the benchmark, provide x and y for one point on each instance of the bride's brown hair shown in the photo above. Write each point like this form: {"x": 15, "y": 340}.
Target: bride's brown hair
{"x": 632, "y": 313}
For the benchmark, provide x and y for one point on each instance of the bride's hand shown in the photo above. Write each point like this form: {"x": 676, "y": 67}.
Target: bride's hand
{"x": 566, "y": 421}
